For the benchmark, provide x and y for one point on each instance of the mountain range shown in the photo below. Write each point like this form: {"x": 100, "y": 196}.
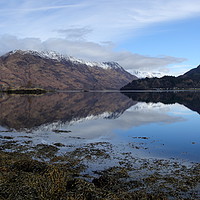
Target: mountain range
{"x": 53, "y": 71}
{"x": 189, "y": 80}
{"x": 49, "y": 70}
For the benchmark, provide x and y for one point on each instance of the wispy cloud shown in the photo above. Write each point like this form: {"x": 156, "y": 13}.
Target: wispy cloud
{"x": 75, "y": 33}
{"x": 109, "y": 20}
{"x": 15, "y": 10}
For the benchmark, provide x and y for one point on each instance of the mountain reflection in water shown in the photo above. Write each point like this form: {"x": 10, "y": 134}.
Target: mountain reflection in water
{"x": 26, "y": 111}
{"x": 189, "y": 99}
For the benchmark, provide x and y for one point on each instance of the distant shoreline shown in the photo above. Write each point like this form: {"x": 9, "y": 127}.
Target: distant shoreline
{"x": 162, "y": 90}
{"x": 131, "y": 91}
{"x": 43, "y": 91}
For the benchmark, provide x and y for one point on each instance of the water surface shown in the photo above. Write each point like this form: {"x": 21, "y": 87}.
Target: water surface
{"x": 145, "y": 125}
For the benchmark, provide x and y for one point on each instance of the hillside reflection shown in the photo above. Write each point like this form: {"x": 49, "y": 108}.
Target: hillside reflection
{"x": 19, "y": 112}
{"x": 28, "y": 112}
{"x": 189, "y": 99}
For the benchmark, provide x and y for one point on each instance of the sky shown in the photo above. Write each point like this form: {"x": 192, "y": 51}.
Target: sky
{"x": 146, "y": 35}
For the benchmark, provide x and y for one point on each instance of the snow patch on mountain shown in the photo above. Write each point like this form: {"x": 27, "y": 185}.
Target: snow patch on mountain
{"x": 144, "y": 74}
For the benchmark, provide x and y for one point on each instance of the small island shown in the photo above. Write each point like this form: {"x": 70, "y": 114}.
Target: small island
{"x": 24, "y": 91}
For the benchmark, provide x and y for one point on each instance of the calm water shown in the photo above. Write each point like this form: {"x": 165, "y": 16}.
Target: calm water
{"x": 147, "y": 125}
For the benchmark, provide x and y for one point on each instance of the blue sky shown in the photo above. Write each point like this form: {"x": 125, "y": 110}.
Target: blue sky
{"x": 147, "y": 35}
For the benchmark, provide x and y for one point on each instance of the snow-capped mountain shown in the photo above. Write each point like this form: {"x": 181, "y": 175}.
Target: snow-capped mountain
{"x": 59, "y": 57}
{"x": 50, "y": 70}
{"x": 144, "y": 74}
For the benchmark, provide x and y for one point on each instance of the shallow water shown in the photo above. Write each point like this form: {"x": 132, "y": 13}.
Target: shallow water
{"x": 145, "y": 125}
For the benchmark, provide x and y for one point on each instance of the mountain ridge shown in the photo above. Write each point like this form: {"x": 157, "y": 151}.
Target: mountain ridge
{"x": 189, "y": 80}
{"x": 193, "y": 73}
{"x": 59, "y": 57}
{"x": 49, "y": 70}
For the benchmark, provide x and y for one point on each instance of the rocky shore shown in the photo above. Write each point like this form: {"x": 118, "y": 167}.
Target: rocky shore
{"x": 40, "y": 173}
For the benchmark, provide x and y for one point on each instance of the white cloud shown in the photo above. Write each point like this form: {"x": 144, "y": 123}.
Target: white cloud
{"x": 89, "y": 51}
